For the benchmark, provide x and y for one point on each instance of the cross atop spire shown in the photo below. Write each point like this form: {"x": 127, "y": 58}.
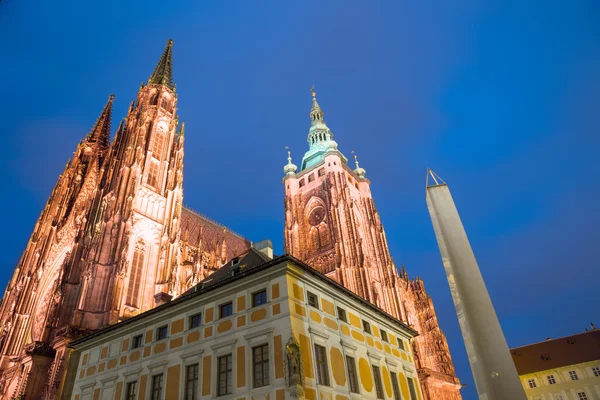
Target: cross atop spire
{"x": 100, "y": 133}
{"x": 163, "y": 73}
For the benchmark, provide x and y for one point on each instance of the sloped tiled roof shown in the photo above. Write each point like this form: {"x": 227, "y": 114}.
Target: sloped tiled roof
{"x": 556, "y": 353}
{"x": 199, "y": 231}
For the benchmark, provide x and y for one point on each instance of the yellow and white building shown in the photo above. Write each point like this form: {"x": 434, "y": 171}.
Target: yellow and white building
{"x": 567, "y": 368}
{"x": 256, "y": 329}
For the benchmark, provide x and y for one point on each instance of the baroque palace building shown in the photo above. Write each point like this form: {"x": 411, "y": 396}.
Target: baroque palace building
{"x": 114, "y": 241}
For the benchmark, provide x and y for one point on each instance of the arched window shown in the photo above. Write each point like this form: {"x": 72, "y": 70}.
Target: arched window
{"x": 154, "y": 100}
{"x": 166, "y": 104}
{"x": 135, "y": 274}
{"x": 158, "y": 139}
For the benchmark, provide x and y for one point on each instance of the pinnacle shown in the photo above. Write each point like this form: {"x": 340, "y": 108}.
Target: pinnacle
{"x": 101, "y": 131}
{"x": 163, "y": 73}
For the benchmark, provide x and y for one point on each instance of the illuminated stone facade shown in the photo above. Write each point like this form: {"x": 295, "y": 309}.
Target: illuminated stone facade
{"x": 332, "y": 224}
{"x": 278, "y": 330}
{"x": 113, "y": 240}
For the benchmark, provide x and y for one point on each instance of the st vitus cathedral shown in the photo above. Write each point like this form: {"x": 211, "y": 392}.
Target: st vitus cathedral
{"x": 115, "y": 240}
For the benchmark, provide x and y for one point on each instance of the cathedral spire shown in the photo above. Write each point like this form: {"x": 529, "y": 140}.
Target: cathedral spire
{"x": 316, "y": 113}
{"x": 320, "y": 137}
{"x": 290, "y": 169}
{"x": 100, "y": 133}
{"x": 163, "y": 73}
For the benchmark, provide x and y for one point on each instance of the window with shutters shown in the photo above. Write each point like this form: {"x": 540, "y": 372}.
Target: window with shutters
{"x": 135, "y": 274}
{"x": 378, "y": 384}
{"x": 352, "y": 377}
{"x": 322, "y": 371}
{"x": 224, "y": 382}
{"x": 191, "y": 382}
{"x": 260, "y": 365}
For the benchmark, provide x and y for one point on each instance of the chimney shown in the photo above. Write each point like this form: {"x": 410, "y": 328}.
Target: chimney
{"x": 265, "y": 247}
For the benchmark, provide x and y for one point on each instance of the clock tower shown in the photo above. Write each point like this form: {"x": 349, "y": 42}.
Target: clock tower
{"x": 331, "y": 223}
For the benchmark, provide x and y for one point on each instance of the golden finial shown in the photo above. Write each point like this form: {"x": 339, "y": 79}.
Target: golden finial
{"x": 312, "y": 91}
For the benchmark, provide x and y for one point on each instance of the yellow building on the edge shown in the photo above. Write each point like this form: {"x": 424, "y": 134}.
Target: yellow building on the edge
{"x": 567, "y": 368}
{"x": 256, "y": 329}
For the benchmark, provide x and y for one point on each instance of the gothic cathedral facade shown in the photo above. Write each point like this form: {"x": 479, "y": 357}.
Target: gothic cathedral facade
{"x": 115, "y": 240}
{"x": 331, "y": 223}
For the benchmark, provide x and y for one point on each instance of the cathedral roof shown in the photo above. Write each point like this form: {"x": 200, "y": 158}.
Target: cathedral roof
{"x": 202, "y": 232}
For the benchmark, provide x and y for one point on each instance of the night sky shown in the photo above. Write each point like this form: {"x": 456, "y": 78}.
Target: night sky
{"x": 500, "y": 98}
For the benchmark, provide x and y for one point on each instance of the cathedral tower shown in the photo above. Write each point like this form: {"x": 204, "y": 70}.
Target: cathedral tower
{"x": 332, "y": 224}
{"x": 106, "y": 245}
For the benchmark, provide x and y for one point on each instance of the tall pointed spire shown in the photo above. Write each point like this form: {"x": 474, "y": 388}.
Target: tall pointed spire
{"x": 316, "y": 113}
{"x": 163, "y": 73}
{"x": 100, "y": 133}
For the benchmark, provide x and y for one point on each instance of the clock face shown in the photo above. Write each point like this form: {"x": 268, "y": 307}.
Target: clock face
{"x": 162, "y": 126}
{"x": 316, "y": 216}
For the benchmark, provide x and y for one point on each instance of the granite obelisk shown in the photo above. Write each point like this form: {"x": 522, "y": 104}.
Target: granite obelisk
{"x": 495, "y": 374}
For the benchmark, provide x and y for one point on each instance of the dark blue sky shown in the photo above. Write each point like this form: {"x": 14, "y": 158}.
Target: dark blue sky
{"x": 500, "y": 98}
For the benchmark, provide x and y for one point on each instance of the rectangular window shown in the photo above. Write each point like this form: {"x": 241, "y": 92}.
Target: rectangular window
{"x": 157, "y": 386}
{"x": 153, "y": 173}
{"x": 260, "y": 365}
{"x": 378, "y": 384}
{"x": 322, "y": 371}
{"x": 384, "y": 336}
{"x": 137, "y": 341}
{"x": 411, "y": 389}
{"x": 162, "y": 332}
{"x": 195, "y": 320}
{"x": 582, "y": 396}
{"x": 191, "y": 382}
{"x": 596, "y": 371}
{"x": 321, "y": 171}
{"x": 573, "y": 375}
{"x": 395, "y": 387}
{"x": 531, "y": 383}
{"x": 551, "y": 379}
{"x": 352, "y": 377}
{"x": 301, "y": 183}
{"x": 224, "y": 375}
{"x": 342, "y": 314}
{"x": 259, "y": 298}
{"x": 366, "y": 327}
{"x": 313, "y": 300}
{"x": 131, "y": 392}
{"x": 401, "y": 344}
{"x": 225, "y": 310}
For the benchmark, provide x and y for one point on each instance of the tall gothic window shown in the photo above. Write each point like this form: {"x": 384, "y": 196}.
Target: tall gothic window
{"x": 153, "y": 173}
{"x": 156, "y": 146}
{"x": 135, "y": 275}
